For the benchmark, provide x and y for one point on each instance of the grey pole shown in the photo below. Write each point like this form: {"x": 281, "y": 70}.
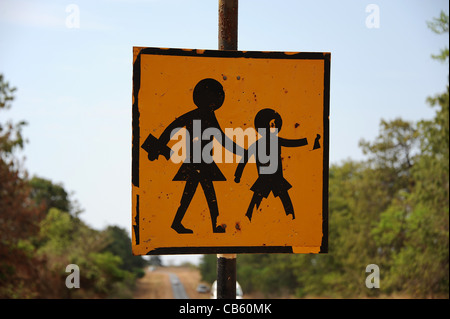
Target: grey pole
{"x": 228, "y": 40}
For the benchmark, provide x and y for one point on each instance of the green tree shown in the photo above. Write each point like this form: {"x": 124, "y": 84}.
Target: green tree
{"x": 426, "y": 254}
{"x": 50, "y": 195}
{"x": 208, "y": 268}
{"x": 414, "y": 229}
{"x": 120, "y": 245}
{"x": 357, "y": 193}
{"x": 65, "y": 239}
{"x": 41, "y": 233}
{"x": 10, "y": 133}
{"x": 20, "y": 272}
{"x": 440, "y": 26}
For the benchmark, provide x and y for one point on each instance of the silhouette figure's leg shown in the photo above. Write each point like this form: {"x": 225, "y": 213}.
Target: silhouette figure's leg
{"x": 256, "y": 200}
{"x": 188, "y": 194}
{"x": 287, "y": 204}
{"x": 211, "y": 199}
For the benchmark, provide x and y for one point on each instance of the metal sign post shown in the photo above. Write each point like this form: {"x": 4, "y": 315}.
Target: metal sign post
{"x": 228, "y": 24}
{"x": 228, "y": 35}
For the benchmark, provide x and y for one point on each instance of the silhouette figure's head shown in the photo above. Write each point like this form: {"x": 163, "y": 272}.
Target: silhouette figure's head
{"x": 208, "y": 94}
{"x": 269, "y": 120}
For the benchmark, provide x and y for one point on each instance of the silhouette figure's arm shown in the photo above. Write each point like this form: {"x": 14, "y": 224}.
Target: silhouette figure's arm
{"x": 228, "y": 143}
{"x": 243, "y": 162}
{"x": 176, "y": 125}
{"x": 154, "y": 146}
{"x": 292, "y": 143}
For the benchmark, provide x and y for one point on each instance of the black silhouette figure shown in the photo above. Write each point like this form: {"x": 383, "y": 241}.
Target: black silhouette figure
{"x": 269, "y": 119}
{"x": 316, "y": 142}
{"x": 208, "y": 96}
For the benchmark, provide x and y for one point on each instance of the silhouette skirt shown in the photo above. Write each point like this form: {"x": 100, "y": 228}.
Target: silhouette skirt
{"x": 199, "y": 171}
{"x": 270, "y": 183}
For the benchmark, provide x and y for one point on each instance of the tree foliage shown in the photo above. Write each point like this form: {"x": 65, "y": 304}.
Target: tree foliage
{"x": 41, "y": 233}
{"x": 49, "y": 195}
{"x": 10, "y": 132}
{"x": 18, "y": 219}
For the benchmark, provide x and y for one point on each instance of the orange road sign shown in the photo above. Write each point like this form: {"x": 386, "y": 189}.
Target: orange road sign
{"x": 229, "y": 151}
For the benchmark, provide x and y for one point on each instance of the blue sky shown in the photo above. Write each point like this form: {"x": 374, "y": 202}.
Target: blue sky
{"x": 74, "y": 84}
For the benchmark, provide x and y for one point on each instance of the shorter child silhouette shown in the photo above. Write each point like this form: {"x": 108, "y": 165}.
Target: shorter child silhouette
{"x": 270, "y": 122}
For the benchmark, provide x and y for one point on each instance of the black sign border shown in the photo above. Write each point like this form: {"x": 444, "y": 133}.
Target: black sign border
{"x": 325, "y": 56}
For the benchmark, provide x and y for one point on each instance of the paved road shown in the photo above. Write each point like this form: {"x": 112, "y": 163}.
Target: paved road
{"x": 177, "y": 287}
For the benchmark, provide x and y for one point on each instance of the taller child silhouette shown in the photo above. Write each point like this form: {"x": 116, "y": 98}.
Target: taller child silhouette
{"x": 208, "y": 96}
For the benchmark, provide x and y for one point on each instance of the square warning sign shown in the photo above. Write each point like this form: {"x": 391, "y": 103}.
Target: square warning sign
{"x": 229, "y": 151}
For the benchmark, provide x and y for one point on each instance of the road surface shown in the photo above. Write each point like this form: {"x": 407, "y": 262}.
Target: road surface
{"x": 156, "y": 284}
{"x": 177, "y": 287}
